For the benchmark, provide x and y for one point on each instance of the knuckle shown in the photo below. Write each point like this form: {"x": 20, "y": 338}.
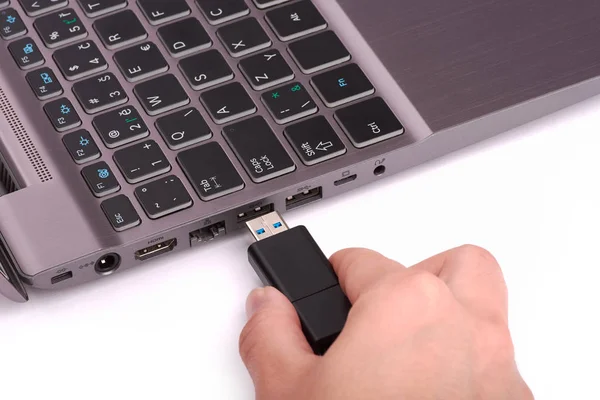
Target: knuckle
{"x": 422, "y": 287}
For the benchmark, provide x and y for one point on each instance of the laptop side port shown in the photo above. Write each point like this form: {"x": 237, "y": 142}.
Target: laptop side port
{"x": 256, "y": 212}
{"x": 207, "y": 233}
{"x": 301, "y": 199}
{"x": 62, "y": 277}
{"x": 345, "y": 180}
{"x": 156, "y": 250}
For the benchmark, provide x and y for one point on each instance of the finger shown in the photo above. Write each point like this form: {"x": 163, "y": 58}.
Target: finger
{"x": 272, "y": 345}
{"x": 360, "y": 269}
{"x": 474, "y": 277}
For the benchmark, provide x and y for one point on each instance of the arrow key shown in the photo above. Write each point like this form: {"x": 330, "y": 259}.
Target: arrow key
{"x": 227, "y": 103}
{"x": 314, "y": 140}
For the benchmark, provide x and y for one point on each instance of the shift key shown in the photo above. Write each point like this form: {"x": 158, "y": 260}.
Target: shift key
{"x": 258, "y": 149}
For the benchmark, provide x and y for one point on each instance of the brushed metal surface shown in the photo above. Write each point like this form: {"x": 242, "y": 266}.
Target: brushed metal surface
{"x": 463, "y": 59}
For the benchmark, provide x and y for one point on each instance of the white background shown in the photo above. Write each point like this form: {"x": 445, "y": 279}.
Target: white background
{"x": 170, "y": 329}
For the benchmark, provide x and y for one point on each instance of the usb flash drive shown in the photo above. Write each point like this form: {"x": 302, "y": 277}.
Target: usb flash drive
{"x": 291, "y": 261}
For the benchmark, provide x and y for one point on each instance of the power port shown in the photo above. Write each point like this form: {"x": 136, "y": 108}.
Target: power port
{"x": 108, "y": 264}
{"x": 256, "y": 212}
{"x": 208, "y": 233}
{"x": 303, "y": 198}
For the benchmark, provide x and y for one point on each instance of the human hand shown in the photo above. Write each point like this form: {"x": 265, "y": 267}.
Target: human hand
{"x": 438, "y": 330}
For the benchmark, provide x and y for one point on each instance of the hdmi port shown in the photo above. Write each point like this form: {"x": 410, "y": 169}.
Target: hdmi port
{"x": 156, "y": 250}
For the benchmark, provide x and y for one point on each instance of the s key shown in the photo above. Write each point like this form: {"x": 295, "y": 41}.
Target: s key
{"x": 100, "y": 93}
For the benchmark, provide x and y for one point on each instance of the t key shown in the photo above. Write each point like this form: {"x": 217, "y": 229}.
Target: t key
{"x": 60, "y": 27}
{"x": 94, "y": 8}
{"x": 80, "y": 60}
{"x": 142, "y": 161}
{"x": 163, "y": 197}
{"x": 100, "y": 93}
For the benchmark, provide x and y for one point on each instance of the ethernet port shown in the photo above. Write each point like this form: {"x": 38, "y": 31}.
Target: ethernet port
{"x": 208, "y": 233}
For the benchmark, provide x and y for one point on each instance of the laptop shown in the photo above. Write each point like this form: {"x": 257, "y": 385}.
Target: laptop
{"x": 131, "y": 130}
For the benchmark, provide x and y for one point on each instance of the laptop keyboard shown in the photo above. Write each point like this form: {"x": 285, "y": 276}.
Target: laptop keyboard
{"x": 205, "y": 73}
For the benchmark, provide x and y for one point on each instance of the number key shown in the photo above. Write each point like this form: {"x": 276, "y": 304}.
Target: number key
{"x": 119, "y": 127}
{"x": 80, "y": 60}
{"x": 34, "y": 8}
{"x": 60, "y": 27}
{"x": 142, "y": 161}
{"x": 100, "y": 93}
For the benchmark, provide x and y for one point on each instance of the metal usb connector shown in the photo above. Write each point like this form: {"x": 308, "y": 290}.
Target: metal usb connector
{"x": 267, "y": 226}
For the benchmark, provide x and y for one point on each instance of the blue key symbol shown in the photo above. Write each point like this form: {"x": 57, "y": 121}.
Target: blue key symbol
{"x": 46, "y": 78}
{"x": 83, "y": 141}
{"x": 28, "y": 49}
{"x": 11, "y": 19}
{"x": 64, "y": 109}
{"x": 103, "y": 173}
{"x": 342, "y": 82}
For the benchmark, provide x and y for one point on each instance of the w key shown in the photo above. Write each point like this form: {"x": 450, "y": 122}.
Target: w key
{"x": 100, "y": 93}
{"x": 142, "y": 161}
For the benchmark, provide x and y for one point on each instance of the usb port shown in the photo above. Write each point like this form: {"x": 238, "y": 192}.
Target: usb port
{"x": 62, "y": 277}
{"x": 345, "y": 180}
{"x": 256, "y": 212}
{"x": 301, "y": 199}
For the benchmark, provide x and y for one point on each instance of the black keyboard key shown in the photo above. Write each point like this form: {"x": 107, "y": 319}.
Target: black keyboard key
{"x": 268, "y": 3}
{"x": 228, "y": 102}
{"x": 369, "y": 122}
{"x": 206, "y": 69}
{"x": 184, "y": 37}
{"x": 62, "y": 114}
{"x": 33, "y": 8}
{"x": 95, "y": 8}
{"x": 289, "y": 103}
{"x": 100, "y": 179}
{"x": 81, "y": 146}
{"x": 161, "y": 94}
{"x": 121, "y": 126}
{"x": 142, "y": 161}
{"x": 163, "y": 197}
{"x": 120, "y": 213}
{"x": 244, "y": 37}
{"x": 314, "y": 140}
{"x": 60, "y": 27}
{"x": 319, "y": 52}
{"x": 266, "y": 69}
{"x": 121, "y": 29}
{"x": 11, "y": 24}
{"x": 183, "y": 128}
{"x": 141, "y": 62}
{"x": 80, "y": 60}
{"x": 342, "y": 85}
{"x": 258, "y": 149}
{"x": 44, "y": 83}
{"x": 219, "y": 11}
{"x": 295, "y": 20}
{"x": 210, "y": 171}
{"x": 161, "y": 11}
{"x": 26, "y": 53}
{"x": 100, "y": 93}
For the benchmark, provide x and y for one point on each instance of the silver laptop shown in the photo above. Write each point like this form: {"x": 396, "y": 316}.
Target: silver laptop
{"x": 131, "y": 130}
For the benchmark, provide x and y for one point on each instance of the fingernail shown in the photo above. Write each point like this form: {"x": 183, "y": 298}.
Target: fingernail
{"x": 256, "y": 299}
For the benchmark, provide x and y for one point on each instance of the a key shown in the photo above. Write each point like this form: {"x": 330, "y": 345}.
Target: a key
{"x": 142, "y": 161}
{"x": 314, "y": 140}
{"x": 95, "y": 8}
{"x": 268, "y": 3}
{"x": 120, "y": 29}
{"x": 60, "y": 28}
{"x": 100, "y": 93}
{"x": 141, "y": 62}
{"x": 228, "y": 102}
{"x": 160, "y": 11}
{"x": 342, "y": 85}
{"x": 161, "y": 94}
{"x": 183, "y": 128}
{"x": 26, "y": 53}
{"x": 80, "y": 60}
{"x": 219, "y": 11}
{"x": 369, "y": 122}
{"x": 44, "y": 83}
{"x": 210, "y": 171}
{"x": 206, "y": 69}
{"x": 62, "y": 114}
{"x": 120, "y": 213}
{"x": 243, "y": 37}
{"x": 33, "y": 8}
{"x": 289, "y": 103}
{"x": 319, "y": 52}
{"x": 266, "y": 69}
{"x": 121, "y": 126}
{"x": 81, "y": 146}
{"x": 184, "y": 37}
{"x": 258, "y": 149}
{"x": 295, "y": 20}
{"x": 100, "y": 179}
{"x": 11, "y": 24}
{"x": 163, "y": 197}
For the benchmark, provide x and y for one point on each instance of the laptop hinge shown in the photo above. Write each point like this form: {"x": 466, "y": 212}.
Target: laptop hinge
{"x": 10, "y": 284}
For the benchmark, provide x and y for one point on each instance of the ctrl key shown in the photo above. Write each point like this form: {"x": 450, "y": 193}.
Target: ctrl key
{"x": 120, "y": 213}
{"x": 100, "y": 179}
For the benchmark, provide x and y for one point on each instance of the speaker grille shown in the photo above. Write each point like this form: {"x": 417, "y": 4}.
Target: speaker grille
{"x": 24, "y": 140}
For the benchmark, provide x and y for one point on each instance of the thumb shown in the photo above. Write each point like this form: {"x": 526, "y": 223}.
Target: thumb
{"x": 272, "y": 344}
